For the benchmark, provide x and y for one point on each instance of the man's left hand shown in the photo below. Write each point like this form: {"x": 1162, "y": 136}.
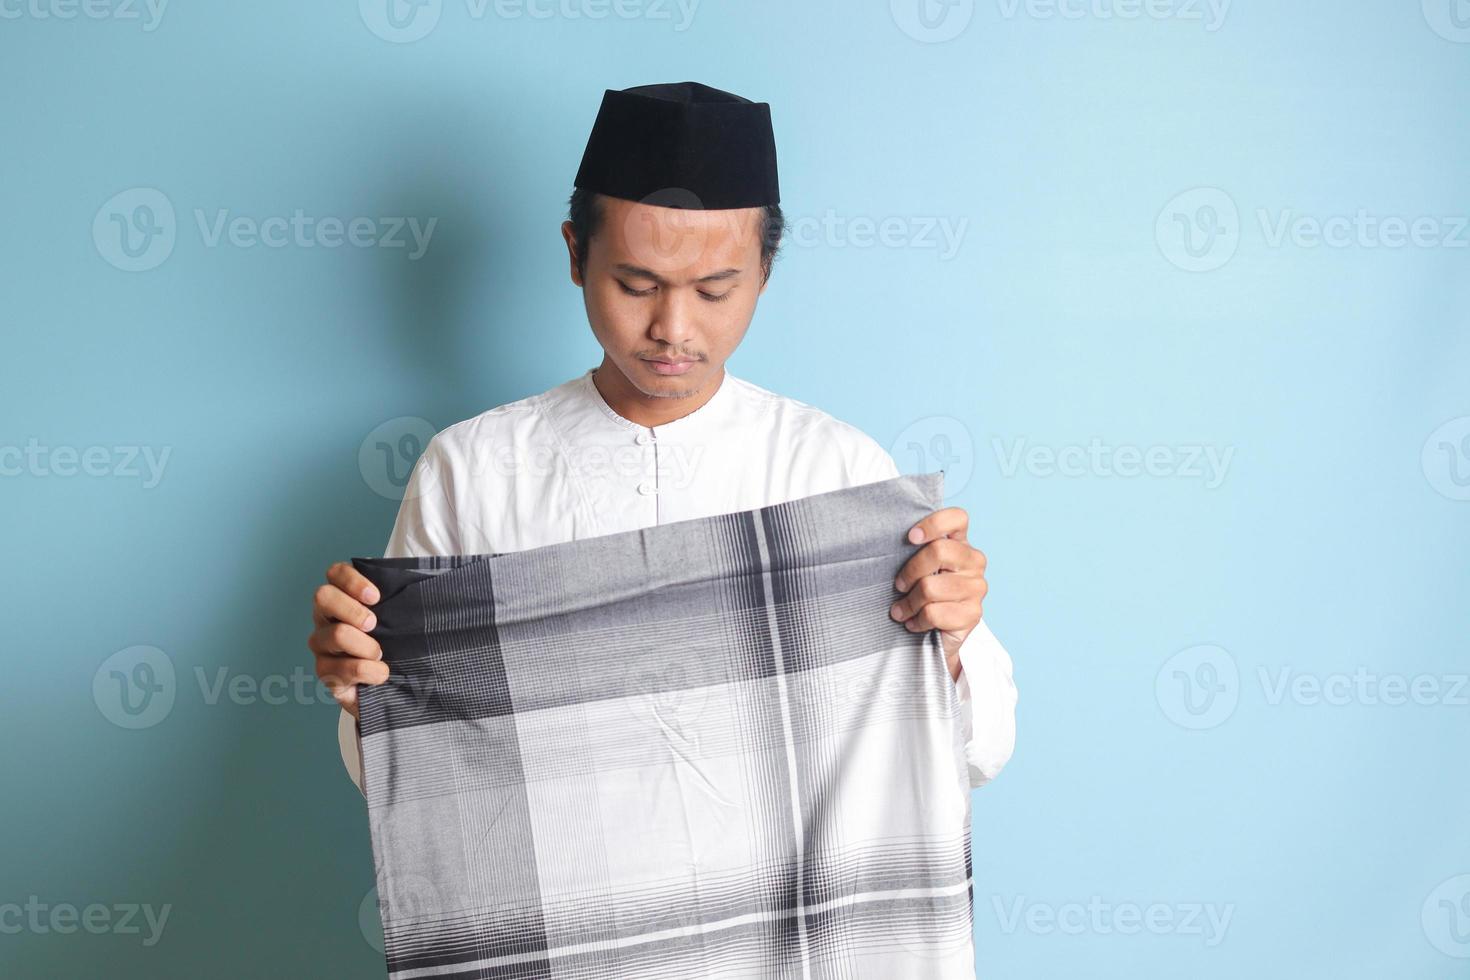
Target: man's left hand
{"x": 943, "y": 583}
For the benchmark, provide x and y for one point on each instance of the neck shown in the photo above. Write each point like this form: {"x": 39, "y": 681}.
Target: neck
{"x": 648, "y": 410}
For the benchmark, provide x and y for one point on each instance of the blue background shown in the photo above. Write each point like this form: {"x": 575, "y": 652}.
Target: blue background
{"x": 1073, "y": 310}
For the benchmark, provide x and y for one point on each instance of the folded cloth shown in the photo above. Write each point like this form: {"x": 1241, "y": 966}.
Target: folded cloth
{"x": 699, "y": 749}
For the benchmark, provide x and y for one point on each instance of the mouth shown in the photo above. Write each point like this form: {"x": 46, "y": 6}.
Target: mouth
{"x": 670, "y": 365}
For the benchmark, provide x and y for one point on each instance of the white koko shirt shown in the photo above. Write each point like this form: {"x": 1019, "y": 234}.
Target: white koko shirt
{"x": 563, "y": 465}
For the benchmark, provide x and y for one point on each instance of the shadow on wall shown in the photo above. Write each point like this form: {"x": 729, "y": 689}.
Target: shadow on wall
{"x": 275, "y": 842}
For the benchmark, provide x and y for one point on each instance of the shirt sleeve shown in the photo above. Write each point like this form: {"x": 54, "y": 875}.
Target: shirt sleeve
{"x": 426, "y": 525}
{"x": 985, "y": 688}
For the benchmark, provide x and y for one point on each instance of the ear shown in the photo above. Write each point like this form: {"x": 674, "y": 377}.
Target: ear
{"x": 566, "y": 234}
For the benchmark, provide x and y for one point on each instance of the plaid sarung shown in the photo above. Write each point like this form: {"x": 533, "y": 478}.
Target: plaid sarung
{"x": 700, "y": 749}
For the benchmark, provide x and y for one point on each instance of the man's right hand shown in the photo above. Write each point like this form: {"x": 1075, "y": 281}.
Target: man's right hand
{"x": 345, "y": 655}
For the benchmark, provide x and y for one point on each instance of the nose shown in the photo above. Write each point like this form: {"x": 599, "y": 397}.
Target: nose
{"x": 674, "y": 317}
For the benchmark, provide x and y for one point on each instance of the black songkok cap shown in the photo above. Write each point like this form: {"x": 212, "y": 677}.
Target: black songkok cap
{"x": 682, "y": 145}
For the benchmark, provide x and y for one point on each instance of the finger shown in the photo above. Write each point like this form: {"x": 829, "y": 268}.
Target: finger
{"x": 340, "y": 639}
{"x": 945, "y": 616}
{"x": 353, "y": 582}
{"x": 332, "y": 604}
{"x": 943, "y": 555}
{"x": 346, "y": 697}
{"x": 336, "y": 672}
{"x": 948, "y": 522}
{"x": 935, "y": 588}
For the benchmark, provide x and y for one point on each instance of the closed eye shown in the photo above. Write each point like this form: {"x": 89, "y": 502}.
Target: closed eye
{"x": 707, "y": 297}
{"x": 637, "y": 292}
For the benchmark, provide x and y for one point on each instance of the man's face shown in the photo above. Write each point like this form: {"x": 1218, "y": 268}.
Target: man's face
{"x": 669, "y": 291}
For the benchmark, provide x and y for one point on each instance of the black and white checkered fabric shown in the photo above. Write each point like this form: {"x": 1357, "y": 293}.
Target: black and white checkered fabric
{"x": 700, "y": 749}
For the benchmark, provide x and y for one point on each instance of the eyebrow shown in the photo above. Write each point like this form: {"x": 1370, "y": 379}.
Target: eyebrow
{"x": 642, "y": 273}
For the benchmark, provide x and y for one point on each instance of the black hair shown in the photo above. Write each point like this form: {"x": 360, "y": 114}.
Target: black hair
{"x": 584, "y": 211}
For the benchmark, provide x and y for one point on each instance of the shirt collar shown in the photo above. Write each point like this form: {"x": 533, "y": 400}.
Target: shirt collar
{"x": 710, "y": 412}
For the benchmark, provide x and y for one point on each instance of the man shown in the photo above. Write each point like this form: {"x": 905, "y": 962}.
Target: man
{"x": 674, "y": 224}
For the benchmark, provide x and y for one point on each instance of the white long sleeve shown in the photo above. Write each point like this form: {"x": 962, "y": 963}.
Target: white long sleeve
{"x": 425, "y": 526}
{"x": 985, "y": 688}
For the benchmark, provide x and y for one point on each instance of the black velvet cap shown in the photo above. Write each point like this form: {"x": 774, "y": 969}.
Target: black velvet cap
{"x": 682, "y": 145}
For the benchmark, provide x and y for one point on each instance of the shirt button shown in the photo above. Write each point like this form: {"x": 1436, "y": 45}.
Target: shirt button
{"x": 647, "y": 488}
{"x": 643, "y": 439}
